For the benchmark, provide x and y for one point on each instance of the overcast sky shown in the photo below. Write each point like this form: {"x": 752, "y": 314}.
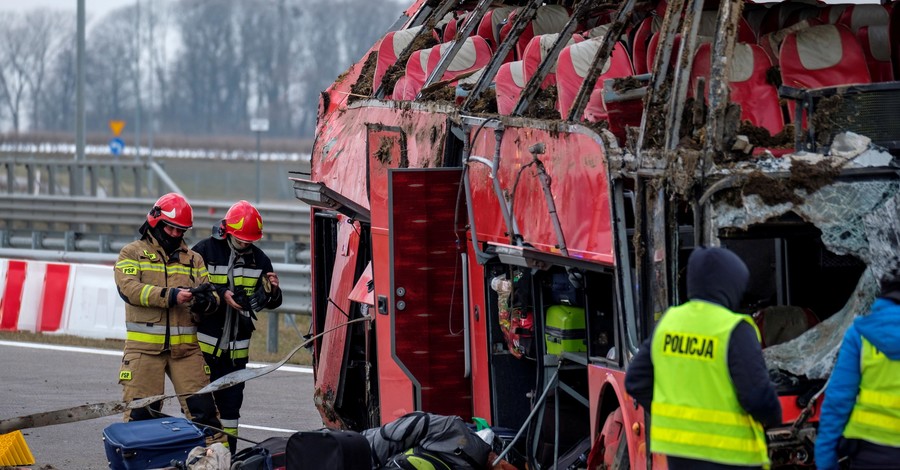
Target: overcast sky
{"x": 94, "y": 8}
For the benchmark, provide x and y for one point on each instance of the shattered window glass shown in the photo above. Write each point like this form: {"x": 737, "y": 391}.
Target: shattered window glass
{"x": 857, "y": 218}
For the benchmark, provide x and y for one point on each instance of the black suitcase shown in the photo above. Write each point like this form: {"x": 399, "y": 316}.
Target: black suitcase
{"x": 153, "y": 443}
{"x": 347, "y": 450}
{"x": 267, "y": 455}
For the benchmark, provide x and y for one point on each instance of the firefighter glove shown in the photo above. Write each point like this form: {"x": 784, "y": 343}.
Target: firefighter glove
{"x": 206, "y": 299}
{"x": 242, "y": 299}
{"x": 264, "y": 294}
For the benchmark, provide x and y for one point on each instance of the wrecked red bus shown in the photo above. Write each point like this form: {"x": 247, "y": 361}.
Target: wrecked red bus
{"x": 510, "y": 190}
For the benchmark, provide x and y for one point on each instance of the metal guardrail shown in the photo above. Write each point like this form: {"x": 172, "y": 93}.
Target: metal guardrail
{"x": 85, "y": 223}
{"x": 101, "y": 177}
{"x": 294, "y": 278}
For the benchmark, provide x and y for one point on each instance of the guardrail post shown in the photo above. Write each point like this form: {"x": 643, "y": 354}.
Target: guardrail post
{"x": 51, "y": 179}
{"x": 92, "y": 174}
{"x": 37, "y": 240}
{"x": 290, "y": 252}
{"x": 272, "y": 338}
{"x": 29, "y": 173}
{"x": 4, "y": 238}
{"x": 137, "y": 181}
{"x": 10, "y": 177}
{"x": 103, "y": 243}
{"x": 70, "y": 240}
{"x": 116, "y": 181}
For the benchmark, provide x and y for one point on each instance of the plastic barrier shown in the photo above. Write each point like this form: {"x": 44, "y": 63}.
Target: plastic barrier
{"x": 60, "y": 298}
{"x": 33, "y": 295}
{"x": 93, "y": 307}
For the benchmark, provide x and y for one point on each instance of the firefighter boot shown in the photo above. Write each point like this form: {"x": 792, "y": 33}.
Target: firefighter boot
{"x": 230, "y": 426}
{"x": 202, "y": 411}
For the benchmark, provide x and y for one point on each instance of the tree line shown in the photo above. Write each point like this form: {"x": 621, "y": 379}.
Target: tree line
{"x": 201, "y": 67}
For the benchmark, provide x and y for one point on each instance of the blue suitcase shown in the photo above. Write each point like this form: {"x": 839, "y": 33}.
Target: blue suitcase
{"x": 153, "y": 443}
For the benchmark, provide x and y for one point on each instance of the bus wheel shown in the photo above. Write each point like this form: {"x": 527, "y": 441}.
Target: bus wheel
{"x": 610, "y": 451}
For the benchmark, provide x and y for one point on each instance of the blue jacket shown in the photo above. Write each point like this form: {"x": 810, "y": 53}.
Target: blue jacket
{"x": 881, "y": 328}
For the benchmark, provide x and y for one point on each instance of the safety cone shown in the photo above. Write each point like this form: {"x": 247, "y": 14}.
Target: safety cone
{"x": 14, "y": 451}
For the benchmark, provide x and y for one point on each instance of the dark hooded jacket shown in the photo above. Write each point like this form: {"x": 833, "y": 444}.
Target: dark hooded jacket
{"x": 881, "y": 328}
{"x": 718, "y": 276}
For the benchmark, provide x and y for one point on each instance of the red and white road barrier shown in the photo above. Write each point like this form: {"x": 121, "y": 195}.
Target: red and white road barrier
{"x": 60, "y": 298}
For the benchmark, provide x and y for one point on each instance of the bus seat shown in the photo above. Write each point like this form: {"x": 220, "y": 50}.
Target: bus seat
{"x": 474, "y": 54}
{"x": 548, "y": 19}
{"x": 782, "y": 323}
{"x": 749, "y": 88}
{"x": 645, "y": 31}
{"x": 509, "y": 81}
{"x": 876, "y": 44}
{"x": 857, "y": 16}
{"x": 414, "y": 77}
{"x": 390, "y": 47}
{"x": 822, "y": 56}
{"x": 537, "y": 51}
{"x": 489, "y": 27}
{"x": 574, "y": 64}
{"x": 771, "y": 42}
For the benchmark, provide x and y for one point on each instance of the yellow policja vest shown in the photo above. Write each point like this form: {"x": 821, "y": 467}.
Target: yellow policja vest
{"x": 876, "y": 415}
{"x": 695, "y": 412}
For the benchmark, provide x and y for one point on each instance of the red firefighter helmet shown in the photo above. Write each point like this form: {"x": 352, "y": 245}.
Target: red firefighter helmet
{"x": 172, "y": 209}
{"x": 243, "y": 221}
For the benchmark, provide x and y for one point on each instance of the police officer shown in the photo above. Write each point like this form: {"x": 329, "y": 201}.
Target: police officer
{"x": 861, "y": 413}
{"x": 158, "y": 277}
{"x": 702, "y": 375}
{"x": 244, "y": 278}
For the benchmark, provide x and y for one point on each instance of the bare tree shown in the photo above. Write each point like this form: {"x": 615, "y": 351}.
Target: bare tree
{"x": 13, "y": 67}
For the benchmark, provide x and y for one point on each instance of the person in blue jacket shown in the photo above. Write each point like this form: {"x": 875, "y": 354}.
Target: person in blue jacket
{"x": 860, "y": 417}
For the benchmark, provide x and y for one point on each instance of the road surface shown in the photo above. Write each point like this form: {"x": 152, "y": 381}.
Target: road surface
{"x": 37, "y": 378}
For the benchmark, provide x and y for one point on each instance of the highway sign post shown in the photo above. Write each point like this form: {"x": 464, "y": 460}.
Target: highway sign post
{"x": 258, "y": 125}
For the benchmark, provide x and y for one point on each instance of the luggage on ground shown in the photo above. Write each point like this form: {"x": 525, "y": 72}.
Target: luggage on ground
{"x": 152, "y": 443}
{"x": 308, "y": 450}
{"x": 447, "y": 438}
{"x": 267, "y": 455}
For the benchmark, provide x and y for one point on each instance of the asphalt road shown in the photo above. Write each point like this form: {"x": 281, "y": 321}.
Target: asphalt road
{"x": 34, "y": 380}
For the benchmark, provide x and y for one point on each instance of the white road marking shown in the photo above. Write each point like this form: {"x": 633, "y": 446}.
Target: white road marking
{"x": 263, "y": 428}
{"x": 110, "y": 352}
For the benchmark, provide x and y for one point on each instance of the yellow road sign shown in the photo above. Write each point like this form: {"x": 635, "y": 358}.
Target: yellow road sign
{"x": 116, "y": 127}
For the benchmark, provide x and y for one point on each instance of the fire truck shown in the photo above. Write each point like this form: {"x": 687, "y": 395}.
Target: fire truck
{"x": 509, "y": 192}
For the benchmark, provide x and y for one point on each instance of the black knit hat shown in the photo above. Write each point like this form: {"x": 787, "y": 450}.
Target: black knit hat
{"x": 890, "y": 284}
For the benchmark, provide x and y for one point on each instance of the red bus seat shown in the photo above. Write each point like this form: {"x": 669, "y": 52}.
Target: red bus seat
{"x": 822, "y": 56}
{"x": 574, "y": 64}
{"x": 489, "y": 27}
{"x": 537, "y": 51}
{"x": 390, "y": 47}
{"x": 876, "y": 44}
{"x": 645, "y": 31}
{"x": 408, "y": 86}
{"x": 474, "y": 54}
{"x": 749, "y": 88}
{"x": 509, "y": 82}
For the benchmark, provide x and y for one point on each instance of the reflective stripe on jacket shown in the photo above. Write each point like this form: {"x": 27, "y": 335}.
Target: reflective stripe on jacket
{"x": 695, "y": 412}
{"x": 144, "y": 277}
{"x": 876, "y": 415}
{"x": 247, "y": 273}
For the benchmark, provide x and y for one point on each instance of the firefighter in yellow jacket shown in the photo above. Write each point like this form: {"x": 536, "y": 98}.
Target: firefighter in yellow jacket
{"x": 165, "y": 288}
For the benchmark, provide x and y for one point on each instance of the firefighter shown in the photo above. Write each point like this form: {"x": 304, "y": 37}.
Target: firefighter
{"x": 860, "y": 416}
{"x": 702, "y": 376}
{"x": 244, "y": 278}
{"x": 165, "y": 288}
